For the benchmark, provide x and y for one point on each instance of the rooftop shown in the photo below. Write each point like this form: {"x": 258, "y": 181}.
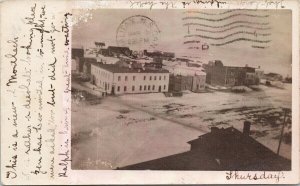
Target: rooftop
{"x": 221, "y": 149}
{"x": 116, "y": 69}
{"x": 185, "y": 71}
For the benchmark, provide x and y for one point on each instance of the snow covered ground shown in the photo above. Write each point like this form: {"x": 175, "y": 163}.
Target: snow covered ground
{"x": 134, "y": 128}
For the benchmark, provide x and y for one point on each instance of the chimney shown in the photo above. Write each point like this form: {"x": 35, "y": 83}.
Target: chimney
{"x": 214, "y": 130}
{"x": 246, "y": 129}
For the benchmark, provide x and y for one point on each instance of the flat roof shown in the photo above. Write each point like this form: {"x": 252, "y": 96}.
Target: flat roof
{"x": 116, "y": 69}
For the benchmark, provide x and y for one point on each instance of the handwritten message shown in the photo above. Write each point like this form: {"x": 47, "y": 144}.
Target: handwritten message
{"x": 36, "y": 137}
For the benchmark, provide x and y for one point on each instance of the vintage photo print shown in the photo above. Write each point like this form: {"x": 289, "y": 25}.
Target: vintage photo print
{"x": 149, "y": 92}
{"x": 206, "y": 90}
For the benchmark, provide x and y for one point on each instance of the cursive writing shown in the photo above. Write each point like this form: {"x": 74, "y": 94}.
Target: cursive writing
{"x": 13, "y": 61}
{"x": 235, "y": 175}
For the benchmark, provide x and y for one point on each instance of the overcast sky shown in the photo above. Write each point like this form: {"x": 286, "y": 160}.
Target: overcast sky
{"x": 103, "y": 25}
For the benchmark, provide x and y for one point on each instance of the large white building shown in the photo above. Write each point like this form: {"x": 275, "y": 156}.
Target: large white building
{"x": 113, "y": 79}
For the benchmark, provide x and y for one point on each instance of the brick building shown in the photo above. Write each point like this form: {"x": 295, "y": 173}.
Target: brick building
{"x": 218, "y": 74}
{"x": 187, "y": 78}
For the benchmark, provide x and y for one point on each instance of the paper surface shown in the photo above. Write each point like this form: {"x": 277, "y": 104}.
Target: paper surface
{"x": 131, "y": 92}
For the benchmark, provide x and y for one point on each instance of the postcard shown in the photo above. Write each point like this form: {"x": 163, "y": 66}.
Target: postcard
{"x": 150, "y": 92}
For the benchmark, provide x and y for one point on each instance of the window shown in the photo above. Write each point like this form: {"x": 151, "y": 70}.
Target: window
{"x": 145, "y": 87}
{"x": 149, "y": 87}
{"x": 125, "y": 88}
{"x": 126, "y": 78}
{"x": 132, "y": 88}
{"x": 165, "y": 87}
{"x": 141, "y": 87}
{"x": 119, "y": 78}
{"x": 133, "y": 78}
{"x": 159, "y": 77}
{"x": 154, "y": 77}
{"x": 164, "y": 77}
{"x": 118, "y": 88}
{"x": 153, "y": 87}
{"x": 144, "y": 77}
{"x": 150, "y": 78}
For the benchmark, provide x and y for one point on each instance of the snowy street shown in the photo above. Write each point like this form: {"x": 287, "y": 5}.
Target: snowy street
{"x": 141, "y": 127}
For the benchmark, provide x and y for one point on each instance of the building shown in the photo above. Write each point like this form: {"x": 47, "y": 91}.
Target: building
{"x": 219, "y": 150}
{"x": 168, "y": 55}
{"x": 77, "y": 53}
{"x": 179, "y": 83}
{"x": 115, "y": 80}
{"x": 160, "y": 55}
{"x": 259, "y": 72}
{"x": 100, "y": 44}
{"x": 104, "y": 52}
{"x": 273, "y": 77}
{"x": 218, "y": 74}
{"x": 187, "y": 78}
{"x": 193, "y": 64}
{"x": 118, "y": 51}
{"x": 85, "y": 64}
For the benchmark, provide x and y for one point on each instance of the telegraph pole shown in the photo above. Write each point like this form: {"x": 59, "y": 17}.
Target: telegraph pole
{"x": 282, "y": 130}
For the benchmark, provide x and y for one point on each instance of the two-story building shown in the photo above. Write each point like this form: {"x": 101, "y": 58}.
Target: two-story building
{"x": 115, "y": 80}
{"x": 218, "y": 74}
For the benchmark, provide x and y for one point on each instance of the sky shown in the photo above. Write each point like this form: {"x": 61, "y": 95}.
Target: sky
{"x": 274, "y": 25}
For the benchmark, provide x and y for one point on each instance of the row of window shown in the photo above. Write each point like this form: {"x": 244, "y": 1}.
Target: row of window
{"x": 102, "y": 73}
{"x": 145, "y": 77}
{"x": 104, "y": 84}
{"x": 141, "y": 88}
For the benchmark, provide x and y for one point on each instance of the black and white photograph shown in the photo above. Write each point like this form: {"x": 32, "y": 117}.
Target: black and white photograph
{"x": 181, "y": 89}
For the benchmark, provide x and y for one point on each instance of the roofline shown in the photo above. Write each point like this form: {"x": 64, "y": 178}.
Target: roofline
{"x": 142, "y": 71}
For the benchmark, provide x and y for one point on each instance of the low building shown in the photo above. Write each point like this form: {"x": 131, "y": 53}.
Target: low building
{"x": 115, "y": 80}
{"x": 159, "y": 54}
{"x": 118, "y": 51}
{"x": 76, "y": 54}
{"x": 273, "y": 77}
{"x": 187, "y": 78}
{"x": 85, "y": 64}
{"x": 218, "y": 74}
{"x": 179, "y": 83}
{"x": 259, "y": 72}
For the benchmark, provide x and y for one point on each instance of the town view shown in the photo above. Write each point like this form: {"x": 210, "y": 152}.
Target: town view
{"x": 155, "y": 109}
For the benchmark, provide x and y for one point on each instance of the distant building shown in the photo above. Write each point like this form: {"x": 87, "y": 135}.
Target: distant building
{"x": 218, "y": 74}
{"x": 219, "y": 150}
{"x": 273, "y": 77}
{"x": 168, "y": 55}
{"x": 259, "y": 72}
{"x": 179, "y": 83}
{"x": 117, "y": 51}
{"x": 192, "y": 64}
{"x": 195, "y": 83}
{"x": 128, "y": 80}
{"x": 159, "y": 54}
{"x": 153, "y": 65}
{"x": 183, "y": 59}
{"x": 104, "y": 52}
{"x": 99, "y": 44}
{"x": 85, "y": 64}
{"x": 76, "y": 54}
{"x": 187, "y": 78}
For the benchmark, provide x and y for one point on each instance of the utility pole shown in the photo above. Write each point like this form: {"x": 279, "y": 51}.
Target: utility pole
{"x": 282, "y": 130}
